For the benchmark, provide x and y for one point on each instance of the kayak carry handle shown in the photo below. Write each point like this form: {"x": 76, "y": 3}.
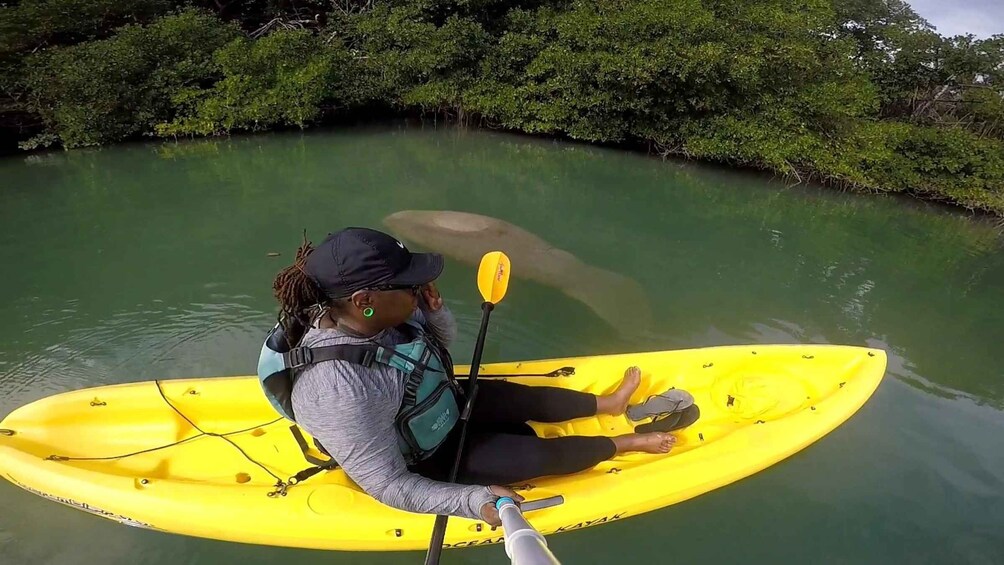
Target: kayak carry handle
{"x": 541, "y": 503}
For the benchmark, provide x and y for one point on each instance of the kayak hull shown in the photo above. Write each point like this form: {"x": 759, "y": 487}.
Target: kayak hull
{"x": 202, "y": 456}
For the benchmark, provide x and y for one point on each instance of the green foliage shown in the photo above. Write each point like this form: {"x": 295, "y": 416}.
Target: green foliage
{"x": 33, "y": 24}
{"x": 414, "y": 61}
{"x": 281, "y": 79}
{"x": 114, "y": 88}
{"x": 920, "y": 75}
{"x": 39, "y": 141}
{"x": 612, "y": 70}
{"x": 939, "y": 163}
{"x": 860, "y": 93}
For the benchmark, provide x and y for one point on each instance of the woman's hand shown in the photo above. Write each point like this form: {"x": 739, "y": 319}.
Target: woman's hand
{"x": 432, "y": 301}
{"x": 488, "y": 511}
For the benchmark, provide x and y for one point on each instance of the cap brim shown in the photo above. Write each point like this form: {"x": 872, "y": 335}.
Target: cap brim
{"x": 424, "y": 268}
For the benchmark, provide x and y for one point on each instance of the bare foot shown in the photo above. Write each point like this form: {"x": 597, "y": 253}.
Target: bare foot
{"x": 652, "y": 442}
{"x": 616, "y": 402}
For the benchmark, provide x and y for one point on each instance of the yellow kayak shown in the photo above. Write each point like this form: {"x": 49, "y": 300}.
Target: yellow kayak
{"x": 135, "y": 453}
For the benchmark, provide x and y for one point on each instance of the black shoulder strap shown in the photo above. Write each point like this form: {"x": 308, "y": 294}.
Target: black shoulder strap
{"x": 363, "y": 355}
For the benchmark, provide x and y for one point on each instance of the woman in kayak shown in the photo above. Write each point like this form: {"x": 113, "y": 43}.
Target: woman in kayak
{"x": 362, "y": 287}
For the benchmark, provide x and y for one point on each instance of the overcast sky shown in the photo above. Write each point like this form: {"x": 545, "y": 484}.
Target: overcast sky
{"x": 981, "y": 18}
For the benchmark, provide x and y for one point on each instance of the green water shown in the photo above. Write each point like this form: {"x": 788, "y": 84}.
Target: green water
{"x": 151, "y": 261}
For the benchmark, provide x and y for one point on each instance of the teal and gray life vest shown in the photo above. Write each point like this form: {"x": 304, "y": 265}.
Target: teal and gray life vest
{"x": 429, "y": 409}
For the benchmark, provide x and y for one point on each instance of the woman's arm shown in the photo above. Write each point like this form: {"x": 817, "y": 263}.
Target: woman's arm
{"x": 357, "y": 428}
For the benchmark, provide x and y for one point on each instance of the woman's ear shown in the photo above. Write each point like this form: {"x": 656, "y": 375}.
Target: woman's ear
{"x": 362, "y": 299}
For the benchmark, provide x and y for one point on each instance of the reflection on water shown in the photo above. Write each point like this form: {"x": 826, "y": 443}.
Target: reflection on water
{"x": 153, "y": 341}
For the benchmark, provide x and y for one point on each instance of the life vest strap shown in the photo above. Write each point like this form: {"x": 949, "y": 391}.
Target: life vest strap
{"x": 357, "y": 354}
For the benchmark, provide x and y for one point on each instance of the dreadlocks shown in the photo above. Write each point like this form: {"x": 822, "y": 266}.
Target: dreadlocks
{"x": 295, "y": 290}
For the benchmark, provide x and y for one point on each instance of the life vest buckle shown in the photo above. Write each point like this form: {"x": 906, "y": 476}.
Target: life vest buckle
{"x": 298, "y": 357}
{"x": 369, "y": 356}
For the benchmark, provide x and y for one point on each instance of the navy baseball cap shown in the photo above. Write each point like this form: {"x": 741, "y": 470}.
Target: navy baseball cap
{"x": 355, "y": 259}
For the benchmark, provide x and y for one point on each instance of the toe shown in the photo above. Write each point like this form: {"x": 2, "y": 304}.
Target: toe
{"x": 632, "y": 378}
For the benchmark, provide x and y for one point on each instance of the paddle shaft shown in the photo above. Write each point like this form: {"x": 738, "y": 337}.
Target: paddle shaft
{"x": 439, "y": 531}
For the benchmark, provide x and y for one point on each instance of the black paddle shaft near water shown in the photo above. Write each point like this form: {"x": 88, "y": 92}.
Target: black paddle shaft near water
{"x": 439, "y": 531}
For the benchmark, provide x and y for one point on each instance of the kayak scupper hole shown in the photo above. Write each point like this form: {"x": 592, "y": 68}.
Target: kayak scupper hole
{"x": 242, "y": 478}
{"x": 142, "y": 483}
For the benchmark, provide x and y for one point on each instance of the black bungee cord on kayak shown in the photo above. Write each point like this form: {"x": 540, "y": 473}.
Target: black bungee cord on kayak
{"x": 562, "y": 372}
{"x": 281, "y": 486}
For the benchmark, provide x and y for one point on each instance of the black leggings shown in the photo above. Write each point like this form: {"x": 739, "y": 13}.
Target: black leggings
{"x": 502, "y": 449}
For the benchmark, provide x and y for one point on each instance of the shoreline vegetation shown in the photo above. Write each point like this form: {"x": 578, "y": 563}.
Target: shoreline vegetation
{"x": 857, "y": 94}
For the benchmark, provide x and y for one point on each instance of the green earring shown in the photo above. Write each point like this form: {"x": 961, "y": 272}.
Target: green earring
{"x": 368, "y": 312}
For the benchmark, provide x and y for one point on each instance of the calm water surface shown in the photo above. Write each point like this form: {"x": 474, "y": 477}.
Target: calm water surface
{"x": 152, "y": 261}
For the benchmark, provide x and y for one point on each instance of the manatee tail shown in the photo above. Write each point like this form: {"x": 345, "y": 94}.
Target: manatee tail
{"x": 618, "y": 300}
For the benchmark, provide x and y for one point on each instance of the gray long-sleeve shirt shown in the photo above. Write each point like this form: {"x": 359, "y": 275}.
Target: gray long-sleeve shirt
{"x": 351, "y": 410}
